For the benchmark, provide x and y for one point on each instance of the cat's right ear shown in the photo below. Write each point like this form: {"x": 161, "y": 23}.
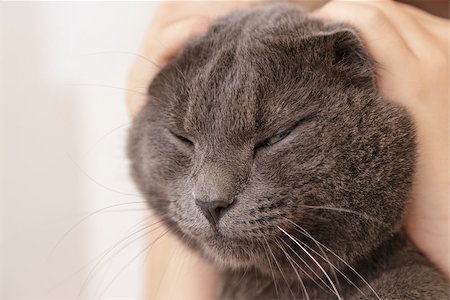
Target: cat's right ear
{"x": 342, "y": 51}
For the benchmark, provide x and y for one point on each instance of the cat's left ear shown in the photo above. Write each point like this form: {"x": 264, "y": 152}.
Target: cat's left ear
{"x": 345, "y": 52}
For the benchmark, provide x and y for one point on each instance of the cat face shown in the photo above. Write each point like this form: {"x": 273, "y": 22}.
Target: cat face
{"x": 267, "y": 129}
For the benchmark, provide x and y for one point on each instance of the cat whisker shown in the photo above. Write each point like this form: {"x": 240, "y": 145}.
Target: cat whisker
{"x": 236, "y": 281}
{"x": 332, "y": 266}
{"x": 325, "y": 258}
{"x": 140, "y": 56}
{"x": 126, "y": 53}
{"x": 337, "y": 256}
{"x": 136, "y": 90}
{"x": 93, "y": 145}
{"x": 143, "y": 221}
{"x": 290, "y": 259}
{"x": 243, "y": 275}
{"x": 340, "y": 209}
{"x": 127, "y": 210}
{"x": 315, "y": 261}
{"x": 307, "y": 265}
{"x": 104, "y": 258}
{"x": 132, "y": 259}
{"x": 278, "y": 266}
{"x": 92, "y": 261}
{"x": 335, "y": 268}
{"x": 179, "y": 266}
{"x": 98, "y": 183}
{"x": 271, "y": 270}
{"x": 71, "y": 229}
{"x": 144, "y": 58}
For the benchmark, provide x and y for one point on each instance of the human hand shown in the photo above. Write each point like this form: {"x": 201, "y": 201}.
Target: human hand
{"x": 411, "y": 48}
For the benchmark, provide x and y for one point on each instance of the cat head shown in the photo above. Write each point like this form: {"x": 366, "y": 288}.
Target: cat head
{"x": 266, "y": 129}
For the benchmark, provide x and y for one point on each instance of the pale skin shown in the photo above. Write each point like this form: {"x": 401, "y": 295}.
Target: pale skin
{"x": 412, "y": 49}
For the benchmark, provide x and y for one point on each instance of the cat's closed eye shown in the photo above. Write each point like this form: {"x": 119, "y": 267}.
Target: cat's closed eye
{"x": 181, "y": 138}
{"x": 282, "y": 134}
{"x": 277, "y": 137}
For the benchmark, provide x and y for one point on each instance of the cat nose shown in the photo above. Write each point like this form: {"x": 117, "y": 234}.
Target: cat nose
{"x": 212, "y": 210}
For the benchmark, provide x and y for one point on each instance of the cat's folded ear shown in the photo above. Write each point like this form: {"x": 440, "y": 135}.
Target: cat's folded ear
{"x": 341, "y": 50}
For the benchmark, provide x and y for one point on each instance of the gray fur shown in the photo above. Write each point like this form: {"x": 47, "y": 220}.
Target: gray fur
{"x": 253, "y": 74}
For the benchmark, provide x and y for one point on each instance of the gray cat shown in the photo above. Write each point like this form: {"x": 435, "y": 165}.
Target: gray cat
{"x": 266, "y": 147}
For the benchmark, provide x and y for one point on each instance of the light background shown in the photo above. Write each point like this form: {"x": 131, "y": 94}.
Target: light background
{"x": 63, "y": 126}
{"x": 63, "y": 67}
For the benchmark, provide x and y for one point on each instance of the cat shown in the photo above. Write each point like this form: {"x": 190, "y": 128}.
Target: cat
{"x": 266, "y": 147}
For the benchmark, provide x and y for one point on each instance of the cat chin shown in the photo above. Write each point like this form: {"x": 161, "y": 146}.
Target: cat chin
{"x": 228, "y": 259}
{"x": 224, "y": 251}
{"x": 229, "y": 254}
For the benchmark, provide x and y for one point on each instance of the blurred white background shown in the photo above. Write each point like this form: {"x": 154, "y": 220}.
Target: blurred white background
{"x": 63, "y": 69}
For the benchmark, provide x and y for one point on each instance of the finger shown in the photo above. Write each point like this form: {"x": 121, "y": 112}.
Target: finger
{"x": 174, "y": 24}
{"x": 426, "y": 44}
{"x": 377, "y": 32}
{"x": 170, "y": 12}
{"x": 168, "y": 41}
{"x": 158, "y": 48}
{"x": 421, "y": 14}
{"x": 411, "y": 30}
{"x": 438, "y": 27}
{"x": 382, "y": 39}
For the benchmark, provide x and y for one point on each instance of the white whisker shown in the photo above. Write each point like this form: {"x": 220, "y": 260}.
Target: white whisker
{"x": 342, "y": 260}
{"x": 290, "y": 259}
{"x": 315, "y": 261}
{"x": 340, "y": 209}
{"x": 279, "y": 268}
{"x": 132, "y": 259}
{"x": 271, "y": 270}
{"x": 304, "y": 262}
{"x": 332, "y": 265}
